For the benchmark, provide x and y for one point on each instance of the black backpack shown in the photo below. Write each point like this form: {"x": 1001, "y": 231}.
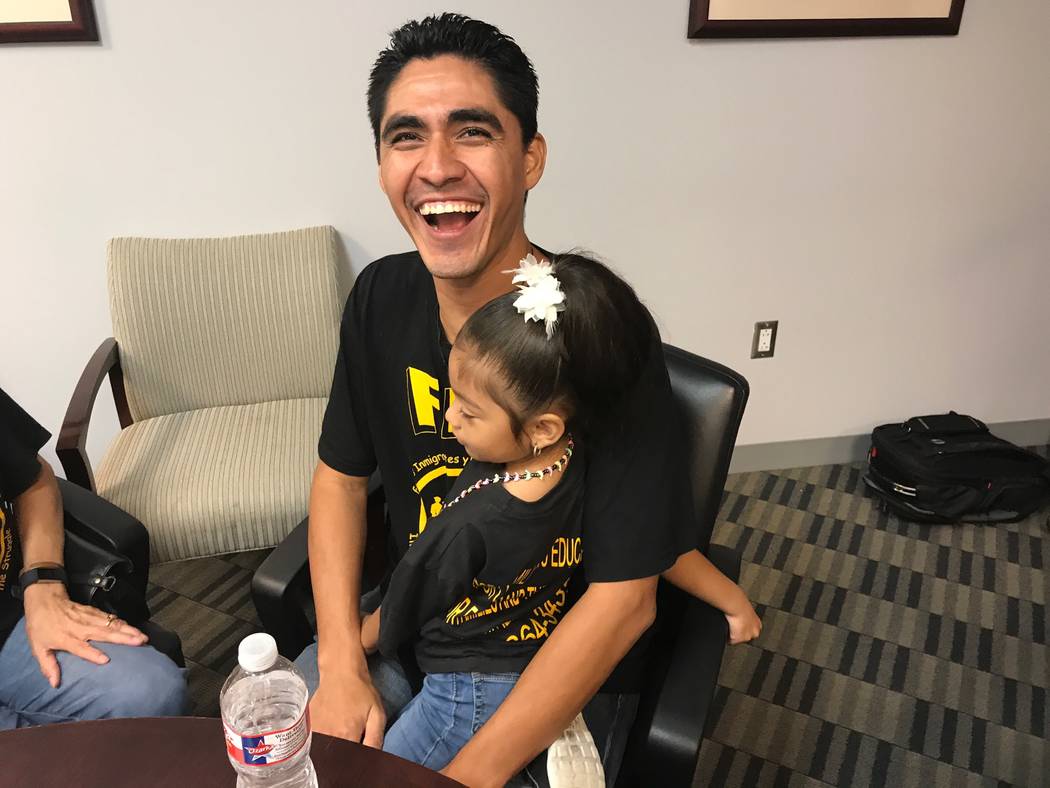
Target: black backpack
{"x": 949, "y": 468}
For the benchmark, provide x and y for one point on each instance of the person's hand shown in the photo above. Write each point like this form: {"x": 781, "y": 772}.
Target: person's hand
{"x": 348, "y": 706}
{"x": 56, "y": 623}
{"x": 744, "y": 624}
{"x": 370, "y": 632}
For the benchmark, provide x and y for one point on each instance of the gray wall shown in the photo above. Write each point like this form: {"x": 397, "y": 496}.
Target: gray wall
{"x": 887, "y": 200}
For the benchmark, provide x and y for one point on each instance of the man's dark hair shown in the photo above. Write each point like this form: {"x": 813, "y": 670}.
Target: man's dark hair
{"x": 599, "y": 347}
{"x": 478, "y": 42}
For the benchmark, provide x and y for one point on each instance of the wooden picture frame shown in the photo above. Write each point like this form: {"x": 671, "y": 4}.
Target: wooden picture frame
{"x": 28, "y": 21}
{"x": 805, "y": 18}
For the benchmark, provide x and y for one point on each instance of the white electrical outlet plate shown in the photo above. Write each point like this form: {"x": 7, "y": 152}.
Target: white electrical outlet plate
{"x": 764, "y": 340}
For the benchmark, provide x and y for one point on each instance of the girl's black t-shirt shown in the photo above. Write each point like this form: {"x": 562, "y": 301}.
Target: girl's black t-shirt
{"x": 20, "y": 440}
{"x": 487, "y": 580}
{"x": 390, "y": 391}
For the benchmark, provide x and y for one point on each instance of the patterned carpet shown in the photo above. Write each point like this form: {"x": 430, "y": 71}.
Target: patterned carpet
{"x": 208, "y": 602}
{"x": 893, "y": 654}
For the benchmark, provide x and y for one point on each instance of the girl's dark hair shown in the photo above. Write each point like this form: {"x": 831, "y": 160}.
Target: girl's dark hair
{"x": 470, "y": 39}
{"x": 600, "y": 343}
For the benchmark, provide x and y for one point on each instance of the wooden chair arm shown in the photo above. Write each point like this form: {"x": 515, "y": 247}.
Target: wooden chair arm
{"x": 71, "y": 447}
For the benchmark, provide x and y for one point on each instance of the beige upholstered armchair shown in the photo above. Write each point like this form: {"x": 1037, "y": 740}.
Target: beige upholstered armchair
{"x": 220, "y": 364}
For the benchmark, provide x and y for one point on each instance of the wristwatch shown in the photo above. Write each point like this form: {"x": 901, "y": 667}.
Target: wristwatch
{"x": 31, "y": 576}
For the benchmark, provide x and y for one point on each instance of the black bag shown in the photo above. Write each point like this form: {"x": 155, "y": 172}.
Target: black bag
{"x": 102, "y": 574}
{"x": 101, "y": 577}
{"x": 949, "y": 468}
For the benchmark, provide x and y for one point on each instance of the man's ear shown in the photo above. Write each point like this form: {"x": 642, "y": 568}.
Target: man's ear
{"x": 535, "y": 160}
{"x": 545, "y": 430}
{"x": 379, "y": 175}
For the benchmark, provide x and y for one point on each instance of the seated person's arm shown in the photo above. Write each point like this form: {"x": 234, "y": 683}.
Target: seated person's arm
{"x": 696, "y": 575}
{"x": 345, "y": 704}
{"x": 39, "y": 512}
{"x": 53, "y": 622}
{"x": 564, "y": 675}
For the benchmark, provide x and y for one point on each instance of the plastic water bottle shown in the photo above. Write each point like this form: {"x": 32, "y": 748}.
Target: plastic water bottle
{"x": 265, "y": 717}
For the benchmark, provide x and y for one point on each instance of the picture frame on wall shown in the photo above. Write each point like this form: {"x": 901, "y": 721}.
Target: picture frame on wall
{"x": 804, "y": 18}
{"x": 27, "y": 21}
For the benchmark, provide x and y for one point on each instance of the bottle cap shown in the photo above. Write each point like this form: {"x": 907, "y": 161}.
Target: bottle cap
{"x": 257, "y": 652}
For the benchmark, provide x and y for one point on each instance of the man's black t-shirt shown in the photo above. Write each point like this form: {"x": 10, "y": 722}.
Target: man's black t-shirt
{"x": 20, "y": 440}
{"x": 389, "y": 395}
{"x": 487, "y": 581}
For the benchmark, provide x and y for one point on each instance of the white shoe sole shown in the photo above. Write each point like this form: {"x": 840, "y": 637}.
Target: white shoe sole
{"x": 573, "y": 761}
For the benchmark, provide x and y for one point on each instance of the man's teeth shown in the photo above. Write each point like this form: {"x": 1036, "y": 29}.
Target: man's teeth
{"x": 431, "y": 208}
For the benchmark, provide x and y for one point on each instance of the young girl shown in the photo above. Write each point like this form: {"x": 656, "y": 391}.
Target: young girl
{"x": 482, "y": 587}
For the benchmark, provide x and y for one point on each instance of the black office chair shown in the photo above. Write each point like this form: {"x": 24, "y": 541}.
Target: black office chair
{"x": 90, "y": 520}
{"x": 690, "y": 636}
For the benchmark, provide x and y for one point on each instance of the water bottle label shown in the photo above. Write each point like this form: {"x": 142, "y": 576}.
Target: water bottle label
{"x": 264, "y": 749}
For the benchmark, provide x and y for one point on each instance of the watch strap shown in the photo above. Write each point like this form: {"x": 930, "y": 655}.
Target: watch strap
{"x": 31, "y": 576}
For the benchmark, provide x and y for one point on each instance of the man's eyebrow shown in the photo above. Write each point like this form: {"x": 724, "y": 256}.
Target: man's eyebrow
{"x": 400, "y": 122}
{"x": 475, "y": 115}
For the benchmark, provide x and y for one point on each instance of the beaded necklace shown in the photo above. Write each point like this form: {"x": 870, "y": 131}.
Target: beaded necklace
{"x": 521, "y": 476}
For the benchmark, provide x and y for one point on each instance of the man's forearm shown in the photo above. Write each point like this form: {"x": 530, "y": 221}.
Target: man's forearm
{"x": 39, "y": 515}
{"x": 566, "y": 673}
{"x": 336, "y": 545}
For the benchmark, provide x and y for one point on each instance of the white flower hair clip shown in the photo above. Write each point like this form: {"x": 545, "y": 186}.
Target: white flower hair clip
{"x": 540, "y": 295}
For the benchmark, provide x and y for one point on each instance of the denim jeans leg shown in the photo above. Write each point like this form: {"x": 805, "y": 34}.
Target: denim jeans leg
{"x": 490, "y": 690}
{"x": 441, "y": 719}
{"x": 138, "y": 681}
{"x": 437, "y": 723}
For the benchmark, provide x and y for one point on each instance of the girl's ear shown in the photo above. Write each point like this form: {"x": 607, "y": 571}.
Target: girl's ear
{"x": 545, "y": 430}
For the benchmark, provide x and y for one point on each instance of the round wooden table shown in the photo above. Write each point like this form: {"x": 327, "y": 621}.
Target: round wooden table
{"x": 180, "y": 752}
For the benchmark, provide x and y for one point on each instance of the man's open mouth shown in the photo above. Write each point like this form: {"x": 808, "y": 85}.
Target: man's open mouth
{"x": 449, "y": 217}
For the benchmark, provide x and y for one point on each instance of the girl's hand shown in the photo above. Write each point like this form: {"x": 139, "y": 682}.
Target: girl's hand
{"x": 370, "y": 632}
{"x": 744, "y": 625}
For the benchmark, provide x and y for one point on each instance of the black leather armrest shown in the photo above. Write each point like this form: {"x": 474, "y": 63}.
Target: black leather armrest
{"x": 682, "y": 708}
{"x": 276, "y": 591}
{"x": 726, "y": 559}
{"x": 281, "y": 585}
{"x": 98, "y": 521}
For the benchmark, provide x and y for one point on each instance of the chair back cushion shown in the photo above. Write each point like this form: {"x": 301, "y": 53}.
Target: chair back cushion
{"x": 711, "y": 399}
{"x": 211, "y": 322}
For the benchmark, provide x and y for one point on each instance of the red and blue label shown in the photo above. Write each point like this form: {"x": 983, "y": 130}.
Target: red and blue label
{"x": 265, "y": 749}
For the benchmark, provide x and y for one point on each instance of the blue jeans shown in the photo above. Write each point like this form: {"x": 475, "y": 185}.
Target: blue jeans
{"x": 440, "y": 720}
{"x": 138, "y": 681}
